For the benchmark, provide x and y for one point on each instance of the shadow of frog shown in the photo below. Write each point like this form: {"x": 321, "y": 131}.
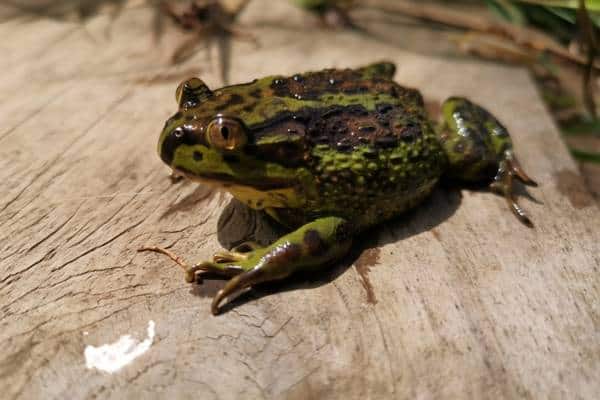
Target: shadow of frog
{"x": 238, "y": 224}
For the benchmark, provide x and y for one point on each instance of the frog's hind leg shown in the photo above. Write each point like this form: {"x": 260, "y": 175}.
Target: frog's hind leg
{"x": 479, "y": 148}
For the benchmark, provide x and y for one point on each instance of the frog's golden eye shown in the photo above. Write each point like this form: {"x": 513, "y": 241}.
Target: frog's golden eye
{"x": 226, "y": 134}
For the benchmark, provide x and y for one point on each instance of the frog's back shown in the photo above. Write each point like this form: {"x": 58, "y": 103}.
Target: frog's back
{"x": 275, "y": 98}
{"x": 372, "y": 149}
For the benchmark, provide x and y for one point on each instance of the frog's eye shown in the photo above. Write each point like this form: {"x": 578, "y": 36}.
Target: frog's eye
{"x": 226, "y": 134}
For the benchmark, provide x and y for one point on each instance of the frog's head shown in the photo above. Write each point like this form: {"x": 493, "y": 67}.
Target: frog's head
{"x": 225, "y": 138}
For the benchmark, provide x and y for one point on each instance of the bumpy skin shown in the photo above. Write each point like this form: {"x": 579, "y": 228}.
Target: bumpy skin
{"x": 329, "y": 154}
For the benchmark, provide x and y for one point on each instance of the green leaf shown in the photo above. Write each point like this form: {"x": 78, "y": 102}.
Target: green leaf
{"x": 543, "y": 18}
{"x": 591, "y": 5}
{"x": 507, "y": 11}
{"x": 585, "y": 156}
{"x": 311, "y": 4}
{"x": 566, "y": 15}
{"x": 582, "y": 127}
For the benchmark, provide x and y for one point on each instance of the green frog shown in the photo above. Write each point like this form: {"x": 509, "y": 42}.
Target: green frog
{"x": 327, "y": 154}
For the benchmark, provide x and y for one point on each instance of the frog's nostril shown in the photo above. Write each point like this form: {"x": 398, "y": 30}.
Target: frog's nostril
{"x": 178, "y": 133}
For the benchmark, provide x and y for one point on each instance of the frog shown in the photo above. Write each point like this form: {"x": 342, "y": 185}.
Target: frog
{"x": 328, "y": 154}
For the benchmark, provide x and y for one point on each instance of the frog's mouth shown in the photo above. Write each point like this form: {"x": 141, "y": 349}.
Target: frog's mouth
{"x": 274, "y": 193}
{"x": 225, "y": 181}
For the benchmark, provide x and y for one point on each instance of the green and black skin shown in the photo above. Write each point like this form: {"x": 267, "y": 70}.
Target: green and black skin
{"x": 329, "y": 154}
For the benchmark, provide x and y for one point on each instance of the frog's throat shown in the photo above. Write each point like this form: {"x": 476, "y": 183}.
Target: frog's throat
{"x": 274, "y": 195}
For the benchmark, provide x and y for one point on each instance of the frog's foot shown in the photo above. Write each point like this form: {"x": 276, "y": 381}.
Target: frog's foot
{"x": 508, "y": 169}
{"x": 194, "y": 273}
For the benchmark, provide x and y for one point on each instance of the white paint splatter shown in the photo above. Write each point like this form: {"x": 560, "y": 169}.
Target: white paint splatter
{"x": 114, "y": 356}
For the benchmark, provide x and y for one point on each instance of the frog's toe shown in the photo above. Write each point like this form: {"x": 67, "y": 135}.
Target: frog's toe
{"x": 246, "y": 247}
{"x": 518, "y": 171}
{"x": 503, "y": 184}
{"x": 221, "y": 257}
{"x": 197, "y": 272}
{"x": 235, "y": 284}
{"x": 238, "y": 253}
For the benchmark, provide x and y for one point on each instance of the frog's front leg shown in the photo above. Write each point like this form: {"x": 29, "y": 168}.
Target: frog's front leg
{"x": 479, "y": 148}
{"x": 311, "y": 246}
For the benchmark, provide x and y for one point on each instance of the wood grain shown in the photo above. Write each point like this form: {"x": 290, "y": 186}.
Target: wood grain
{"x": 454, "y": 300}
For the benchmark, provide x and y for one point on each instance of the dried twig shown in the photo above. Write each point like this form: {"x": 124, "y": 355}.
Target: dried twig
{"x": 178, "y": 260}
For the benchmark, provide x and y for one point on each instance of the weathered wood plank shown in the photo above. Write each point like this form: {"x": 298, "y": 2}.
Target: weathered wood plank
{"x": 455, "y": 300}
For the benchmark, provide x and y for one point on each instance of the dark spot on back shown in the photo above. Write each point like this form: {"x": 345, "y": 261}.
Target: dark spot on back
{"x": 396, "y": 160}
{"x": 367, "y": 128}
{"x": 331, "y": 112}
{"x": 370, "y": 153}
{"x": 344, "y": 145}
{"x": 221, "y": 107}
{"x": 231, "y": 158}
{"x": 323, "y": 139}
{"x": 386, "y": 142}
{"x": 383, "y": 108}
{"x": 231, "y": 100}
{"x": 410, "y": 133}
{"x": 236, "y": 99}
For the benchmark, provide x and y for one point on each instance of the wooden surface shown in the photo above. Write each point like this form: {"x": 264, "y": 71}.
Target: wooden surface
{"x": 455, "y": 300}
